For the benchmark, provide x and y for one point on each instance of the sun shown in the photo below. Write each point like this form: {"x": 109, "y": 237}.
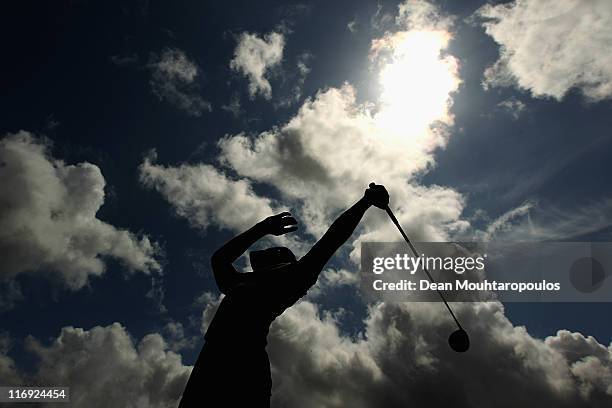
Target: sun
{"x": 416, "y": 81}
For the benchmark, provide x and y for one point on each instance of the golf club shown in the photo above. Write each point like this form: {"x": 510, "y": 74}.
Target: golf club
{"x": 458, "y": 340}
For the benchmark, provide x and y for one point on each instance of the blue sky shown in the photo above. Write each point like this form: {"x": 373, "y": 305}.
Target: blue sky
{"x": 88, "y": 80}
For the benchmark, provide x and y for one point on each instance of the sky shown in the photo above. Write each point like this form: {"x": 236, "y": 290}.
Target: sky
{"x": 138, "y": 137}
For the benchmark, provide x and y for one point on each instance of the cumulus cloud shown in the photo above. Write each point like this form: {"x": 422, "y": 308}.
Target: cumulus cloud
{"x": 340, "y": 277}
{"x": 105, "y": 368}
{"x": 255, "y": 56}
{"x": 591, "y": 362}
{"x": 402, "y": 359}
{"x": 562, "y": 45}
{"x": 177, "y": 337}
{"x": 48, "y": 220}
{"x": 209, "y": 303}
{"x": 323, "y": 158}
{"x": 206, "y": 196}
{"x": 331, "y": 279}
{"x": 422, "y": 15}
{"x": 174, "y": 80}
{"x": 326, "y": 155}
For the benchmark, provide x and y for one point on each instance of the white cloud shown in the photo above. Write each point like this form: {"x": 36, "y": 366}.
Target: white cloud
{"x": 402, "y": 359}
{"x": 322, "y": 159}
{"x": 422, "y": 15}
{"x": 326, "y": 155}
{"x": 330, "y": 279}
{"x": 341, "y": 277}
{"x": 173, "y": 79}
{"x": 591, "y": 362}
{"x": 505, "y": 222}
{"x": 210, "y": 303}
{"x": 177, "y": 338}
{"x": 233, "y": 106}
{"x": 512, "y": 106}
{"x": 255, "y": 56}
{"x": 92, "y": 362}
{"x": 206, "y": 196}
{"x": 533, "y": 222}
{"x": 48, "y": 220}
{"x": 563, "y": 44}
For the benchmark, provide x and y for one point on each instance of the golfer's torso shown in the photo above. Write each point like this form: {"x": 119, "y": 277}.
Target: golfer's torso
{"x": 245, "y": 315}
{"x": 241, "y": 319}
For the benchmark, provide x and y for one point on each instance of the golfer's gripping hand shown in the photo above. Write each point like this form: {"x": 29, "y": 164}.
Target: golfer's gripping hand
{"x": 377, "y": 195}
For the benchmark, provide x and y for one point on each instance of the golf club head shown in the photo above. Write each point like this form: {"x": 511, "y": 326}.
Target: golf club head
{"x": 459, "y": 341}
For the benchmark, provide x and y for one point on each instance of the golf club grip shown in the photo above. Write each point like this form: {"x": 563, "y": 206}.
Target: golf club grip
{"x": 415, "y": 252}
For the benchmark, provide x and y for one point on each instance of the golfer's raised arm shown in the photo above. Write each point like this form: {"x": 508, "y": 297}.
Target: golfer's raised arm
{"x": 340, "y": 231}
{"x": 226, "y": 276}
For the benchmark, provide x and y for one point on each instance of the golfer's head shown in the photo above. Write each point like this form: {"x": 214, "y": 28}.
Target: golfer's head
{"x": 271, "y": 258}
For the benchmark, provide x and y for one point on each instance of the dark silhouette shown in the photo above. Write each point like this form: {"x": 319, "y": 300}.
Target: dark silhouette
{"x": 233, "y": 369}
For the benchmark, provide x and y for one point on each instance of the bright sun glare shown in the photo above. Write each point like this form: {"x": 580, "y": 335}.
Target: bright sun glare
{"x": 416, "y": 81}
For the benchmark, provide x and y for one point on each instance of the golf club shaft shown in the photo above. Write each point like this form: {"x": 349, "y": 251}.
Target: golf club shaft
{"x": 431, "y": 279}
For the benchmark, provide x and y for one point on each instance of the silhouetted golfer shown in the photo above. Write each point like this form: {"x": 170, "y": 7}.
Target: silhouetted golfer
{"x": 233, "y": 369}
